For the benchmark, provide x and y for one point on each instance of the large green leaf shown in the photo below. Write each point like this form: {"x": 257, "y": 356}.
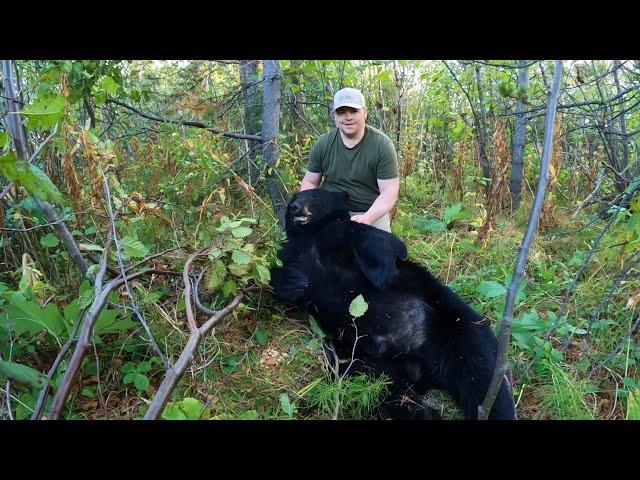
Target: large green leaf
{"x": 133, "y": 248}
{"x": 26, "y": 316}
{"x": 217, "y": 273}
{"x": 453, "y": 212}
{"x": 30, "y": 177}
{"x": 491, "y": 289}
{"x": 22, "y": 374}
{"x": 44, "y": 113}
{"x": 240, "y": 257}
{"x": 430, "y": 225}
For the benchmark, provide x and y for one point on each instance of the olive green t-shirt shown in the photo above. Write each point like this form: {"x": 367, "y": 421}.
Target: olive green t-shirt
{"x": 354, "y": 170}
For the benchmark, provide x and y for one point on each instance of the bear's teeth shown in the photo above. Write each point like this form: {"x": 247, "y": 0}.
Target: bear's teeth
{"x": 300, "y": 219}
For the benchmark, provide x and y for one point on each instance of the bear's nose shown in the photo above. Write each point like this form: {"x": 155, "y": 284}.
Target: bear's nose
{"x": 295, "y": 207}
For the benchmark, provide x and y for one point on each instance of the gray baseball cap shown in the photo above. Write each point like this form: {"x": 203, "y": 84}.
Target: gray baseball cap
{"x": 348, "y": 97}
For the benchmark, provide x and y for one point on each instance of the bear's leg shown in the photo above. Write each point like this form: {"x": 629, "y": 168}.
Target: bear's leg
{"x": 466, "y": 368}
{"x": 289, "y": 284}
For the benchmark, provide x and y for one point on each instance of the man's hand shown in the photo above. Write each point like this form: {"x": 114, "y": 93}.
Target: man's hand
{"x": 364, "y": 218}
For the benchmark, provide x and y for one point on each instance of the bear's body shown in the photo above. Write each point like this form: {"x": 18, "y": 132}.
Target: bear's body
{"x": 416, "y": 330}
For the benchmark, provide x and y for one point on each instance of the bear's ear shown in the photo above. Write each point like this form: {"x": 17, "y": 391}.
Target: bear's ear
{"x": 375, "y": 253}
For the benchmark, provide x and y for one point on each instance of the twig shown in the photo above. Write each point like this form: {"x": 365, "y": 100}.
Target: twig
{"x": 73, "y": 369}
{"x": 62, "y": 220}
{"x": 124, "y": 276}
{"x": 175, "y": 372}
{"x": 187, "y": 123}
{"x": 196, "y": 297}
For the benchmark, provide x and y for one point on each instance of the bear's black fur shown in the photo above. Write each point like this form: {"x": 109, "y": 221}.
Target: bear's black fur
{"x": 416, "y": 330}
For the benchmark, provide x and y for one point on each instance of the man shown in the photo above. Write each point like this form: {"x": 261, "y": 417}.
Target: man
{"x": 358, "y": 159}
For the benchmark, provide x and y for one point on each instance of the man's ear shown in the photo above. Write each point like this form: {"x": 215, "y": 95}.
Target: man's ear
{"x": 345, "y": 196}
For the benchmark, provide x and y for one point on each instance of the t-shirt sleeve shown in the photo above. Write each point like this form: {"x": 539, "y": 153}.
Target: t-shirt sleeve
{"x": 315, "y": 159}
{"x": 387, "y": 167}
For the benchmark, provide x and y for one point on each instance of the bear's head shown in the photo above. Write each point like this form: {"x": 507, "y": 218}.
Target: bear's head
{"x": 311, "y": 209}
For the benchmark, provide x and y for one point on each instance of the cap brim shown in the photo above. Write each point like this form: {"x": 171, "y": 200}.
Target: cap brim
{"x": 352, "y": 105}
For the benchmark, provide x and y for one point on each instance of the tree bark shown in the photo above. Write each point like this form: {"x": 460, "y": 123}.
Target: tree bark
{"x": 250, "y": 99}
{"x": 519, "y": 134}
{"x": 270, "y": 128}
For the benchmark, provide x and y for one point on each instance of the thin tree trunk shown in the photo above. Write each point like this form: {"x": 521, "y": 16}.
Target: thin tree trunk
{"x": 248, "y": 79}
{"x": 270, "y": 128}
{"x": 507, "y": 317}
{"x": 623, "y": 122}
{"x": 482, "y": 130}
{"x": 519, "y": 134}
{"x": 17, "y": 132}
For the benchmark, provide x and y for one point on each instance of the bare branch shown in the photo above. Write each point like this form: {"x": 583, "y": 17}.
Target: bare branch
{"x": 175, "y": 372}
{"x": 156, "y": 118}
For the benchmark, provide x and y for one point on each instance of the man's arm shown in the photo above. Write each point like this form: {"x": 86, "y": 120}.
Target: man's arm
{"x": 310, "y": 180}
{"x": 383, "y": 204}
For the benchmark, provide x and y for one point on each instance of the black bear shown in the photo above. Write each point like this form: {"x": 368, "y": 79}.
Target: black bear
{"x": 416, "y": 330}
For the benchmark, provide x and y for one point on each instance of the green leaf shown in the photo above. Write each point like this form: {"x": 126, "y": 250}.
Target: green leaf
{"x": 452, "y": 213}
{"x": 430, "y": 225}
{"x": 107, "y": 322}
{"x": 217, "y": 274}
{"x": 22, "y": 374}
{"x": 229, "y": 288}
{"x": 134, "y": 248}
{"x": 128, "y": 368}
{"x": 30, "y": 177}
{"x": 4, "y": 139}
{"x": 240, "y": 257}
{"x": 86, "y": 294}
{"x": 173, "y": 412}
{"x": 50, "y": 240}
{"x": 286, "y": 405}
{"x": 192, "y": 408}
{"x": 44, "y": 113}
{"x": 241, "y": 232}
{"x": 239, "y": 270}
{"x": 27, "y": 317}
{"x": 491, "y": 289}
{"x": 262, "y": 337}
{"x": 358, "y": 307}
{"x": 109, "y": 85}
{"x": 140, "y": 381}
{"x": 263, "y": 274}
{"x": 249, "y": 415}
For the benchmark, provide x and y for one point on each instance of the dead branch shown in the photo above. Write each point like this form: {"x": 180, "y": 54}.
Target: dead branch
{"x": 187, "y": 123}
{"x": 68, "y": 380}
{"x": 175, "y": 372}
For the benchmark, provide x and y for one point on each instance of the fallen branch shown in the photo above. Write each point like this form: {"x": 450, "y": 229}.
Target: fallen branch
{"x": 84, "y": 337}
{"x": 175, "y": 372}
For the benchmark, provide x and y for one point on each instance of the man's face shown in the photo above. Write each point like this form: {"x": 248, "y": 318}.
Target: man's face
{"x": 350, "y": 120}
